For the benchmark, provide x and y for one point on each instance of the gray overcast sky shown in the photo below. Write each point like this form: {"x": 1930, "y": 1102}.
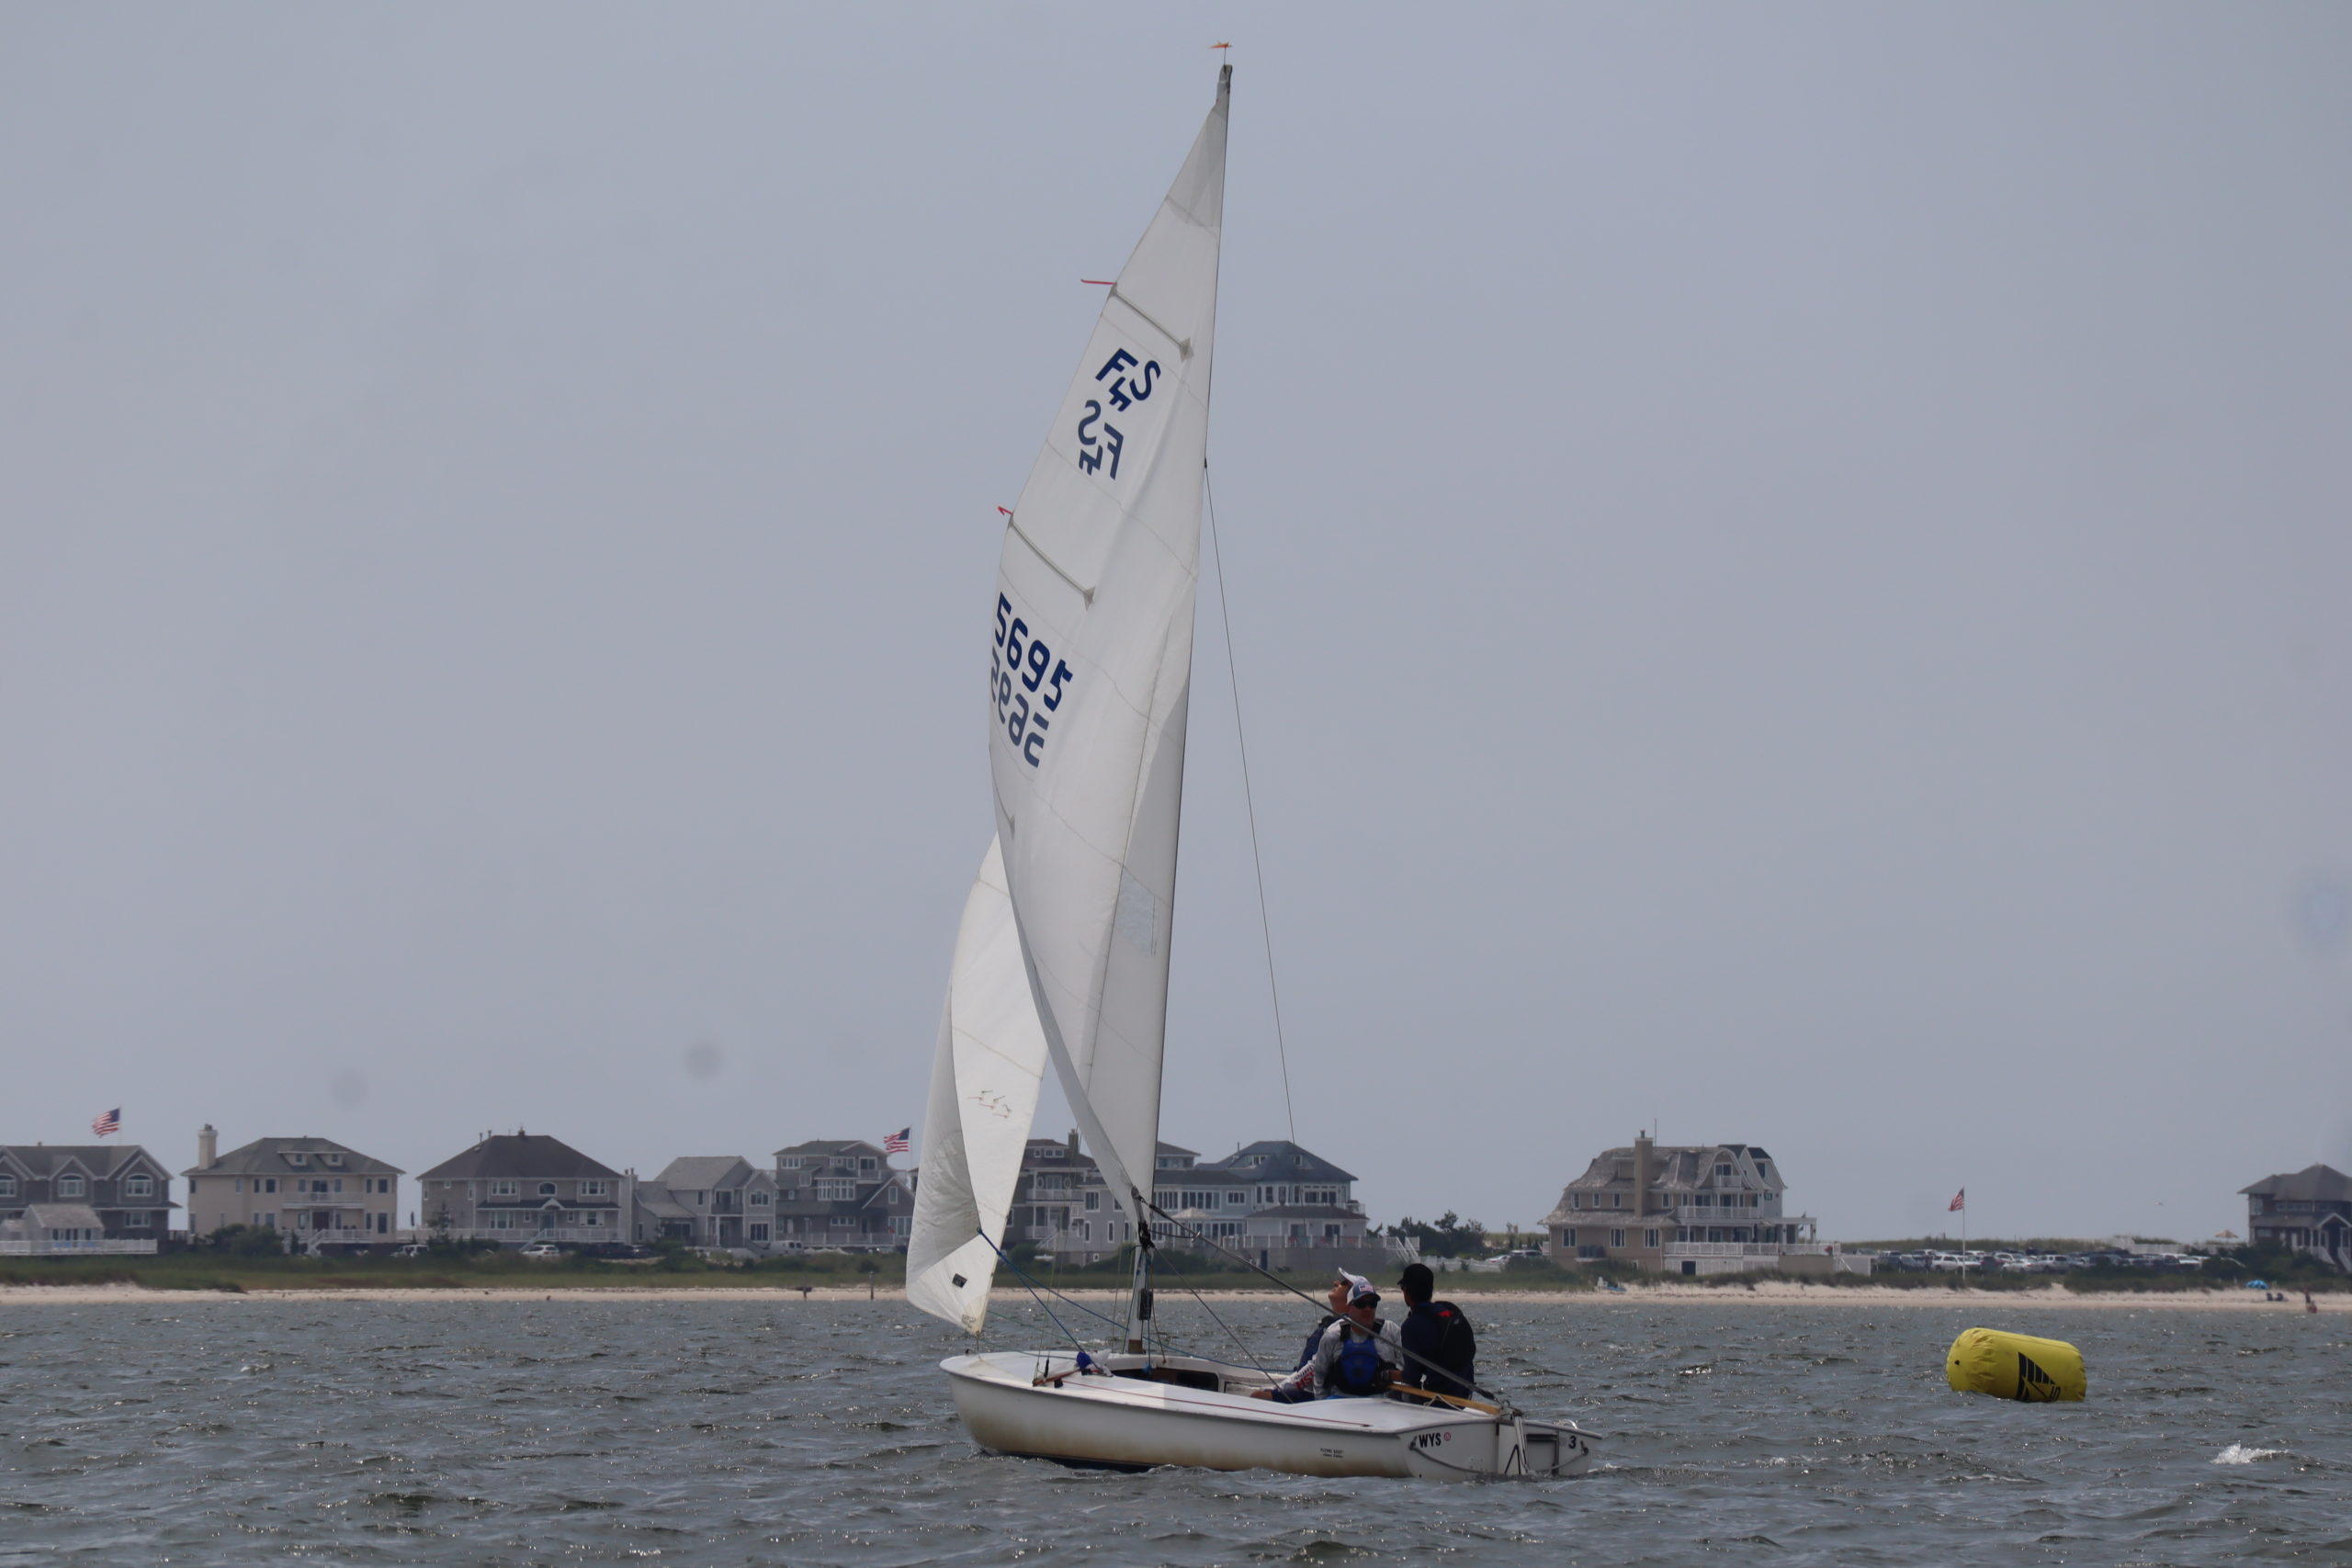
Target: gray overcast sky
{"x": 1789, "y": 571}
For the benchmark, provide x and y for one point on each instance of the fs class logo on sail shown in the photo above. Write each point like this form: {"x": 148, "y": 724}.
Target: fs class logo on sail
{"x": 1099, "y": 451}
{"x": 1020, "y": 658}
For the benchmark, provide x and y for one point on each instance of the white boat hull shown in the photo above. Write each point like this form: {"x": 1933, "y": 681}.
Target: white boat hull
{"x": 1130, "y": 1423}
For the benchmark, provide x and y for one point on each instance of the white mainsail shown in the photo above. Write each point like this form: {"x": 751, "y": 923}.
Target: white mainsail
{"x": 983, "y": 1096}
{"x": 1091, "y": 672}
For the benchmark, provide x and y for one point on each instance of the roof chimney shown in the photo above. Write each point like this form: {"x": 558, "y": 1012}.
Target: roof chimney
{"x": 208, "y": 1145}
{"x": 1641, "y": 1174}
{"x": 1073, "y": 1144}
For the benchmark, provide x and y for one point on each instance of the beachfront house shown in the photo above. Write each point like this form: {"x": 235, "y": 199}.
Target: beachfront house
{"x": 717, "y": 1201}
{"x": 2310, "y": 1212}
{"x": 325, "y": 1197}
{"x": 1688, "y": 1209}
{"x": 1274, "y": 1203}
{"x": 59, "y": 1199}
{"x": 518, "y": 1188}
{"x": 840, "y": 1195}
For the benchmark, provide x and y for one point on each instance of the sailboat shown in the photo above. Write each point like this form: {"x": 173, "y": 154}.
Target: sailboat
{"x": 1062, "y": 954}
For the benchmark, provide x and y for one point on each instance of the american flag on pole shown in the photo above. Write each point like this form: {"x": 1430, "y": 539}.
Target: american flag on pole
{"x": 896, "y": 1143}
{"x": 1958, "y": 1203}
{"x": 106, "y": 1121}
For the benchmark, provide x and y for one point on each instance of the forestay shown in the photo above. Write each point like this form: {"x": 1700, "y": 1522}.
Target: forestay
{"x": 983, "y": 1095}
{"x": 1090, "y": 668}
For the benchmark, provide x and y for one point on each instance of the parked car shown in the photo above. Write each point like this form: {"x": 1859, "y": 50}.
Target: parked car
{"x": 542, "y": 1249}
{"x": 411, "y": 1249}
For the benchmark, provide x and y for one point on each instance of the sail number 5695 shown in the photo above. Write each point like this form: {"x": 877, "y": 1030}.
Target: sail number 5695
{"x": 1018, "y": 667}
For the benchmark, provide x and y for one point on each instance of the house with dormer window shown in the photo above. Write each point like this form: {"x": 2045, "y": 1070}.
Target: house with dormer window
{"x": 1686, "y": 1209}
{"x": 840, "y": 1195}
{"x": 326, "y": 1197}
{"x": 67, "y": 1197}
{"x": 1274, "y": 1203}
{"x": 519, "y": 1187}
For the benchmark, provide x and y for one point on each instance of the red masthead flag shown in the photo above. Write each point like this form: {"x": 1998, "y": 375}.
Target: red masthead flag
{"x": 1959, "y": 1201}
{"x": 106, "y": 1121}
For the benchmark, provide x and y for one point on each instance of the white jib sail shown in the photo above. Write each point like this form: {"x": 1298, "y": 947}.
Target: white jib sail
{"x": 983, "y": 1097}
{"x": 1091, "y": 669}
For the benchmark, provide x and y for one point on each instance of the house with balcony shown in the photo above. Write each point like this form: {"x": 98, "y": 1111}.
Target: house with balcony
{"x": 840, "y": 1195}
{"x": 1688, "y": 1209}
{"x": 1280, "y": 1204}
{"x": 326, "y": 1197}
{"x": 2310, "y": 1212}
{"x": 61, "y": 1199}
{"x": 518, "y": 1188}
{"x": 716, "y": 1200}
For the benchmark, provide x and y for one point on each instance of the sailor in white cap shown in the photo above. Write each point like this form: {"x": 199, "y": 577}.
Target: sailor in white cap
{"x": 1344, "y": 1289}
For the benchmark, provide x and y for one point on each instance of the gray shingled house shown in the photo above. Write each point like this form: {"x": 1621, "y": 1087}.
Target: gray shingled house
{"x": 2310, "y": 1211}
{"x": 721, "y": 1201}
{"x": 842, "y": 1195}
{"x": 57, "y": 1198}
{"x": 518, "y": 1188}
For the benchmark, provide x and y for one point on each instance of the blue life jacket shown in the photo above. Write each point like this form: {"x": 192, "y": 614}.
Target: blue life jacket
{"x": 1356, "y": 1371}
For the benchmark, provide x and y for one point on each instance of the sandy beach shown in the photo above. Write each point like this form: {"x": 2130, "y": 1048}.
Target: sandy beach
{"x": 1764, "y": 1293}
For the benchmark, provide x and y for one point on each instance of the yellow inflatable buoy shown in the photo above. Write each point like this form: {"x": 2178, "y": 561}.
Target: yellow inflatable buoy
{"x": 2014, "y": 1366}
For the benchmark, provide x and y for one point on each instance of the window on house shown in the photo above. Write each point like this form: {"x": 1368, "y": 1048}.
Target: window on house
{"x": 791, "y": 1162}
{"x": 1722, "y": 1170}
{"x": 1236, "y": 1199}
{"x": 1616, "y": 1238}
{"x": 835, "y": 1189}
{"x": 333, "y": 1159}
{"x": 1616, "y": 1199}
{"x": 547, "y": 1189}
{"x": 269, "y": 1184}
{"x": 296, "y": 1157}
{"x": 762, "y": 1198}
{"x": 1568, "y": 1237}
{"x": 8, "y": 1187}
{"x": 503, "y": 1219}
{"x": 138, "y": 1186}
{"x": 383, "y": 1223}
{"x": 843, "y": 1221}
{"x": 596, "y": 1189}
{"x": 505, "y": 1187}
{"x": 866, "y": 1166}
{"x": 69, "y": 1186}
{"x": 758, "y": 1230}
{"x": 1649, "y": 1238}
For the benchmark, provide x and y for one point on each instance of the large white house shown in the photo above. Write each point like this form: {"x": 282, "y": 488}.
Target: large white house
{"x": 1687, "y": 1208}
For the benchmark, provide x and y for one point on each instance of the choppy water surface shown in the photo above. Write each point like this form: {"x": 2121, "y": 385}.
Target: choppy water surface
{"x": 226, "y": 1431}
